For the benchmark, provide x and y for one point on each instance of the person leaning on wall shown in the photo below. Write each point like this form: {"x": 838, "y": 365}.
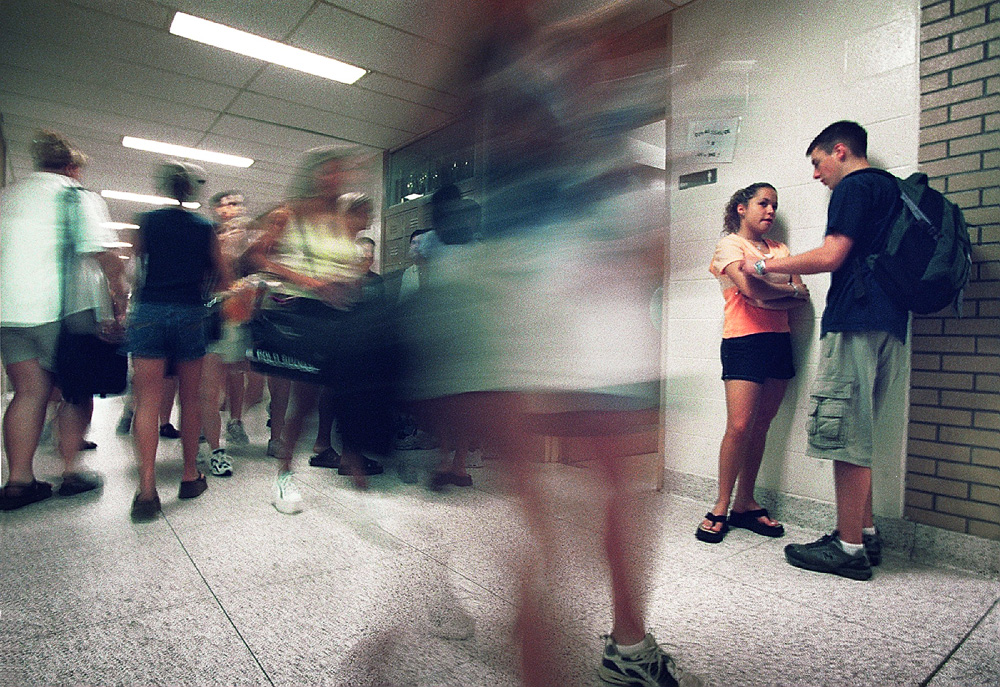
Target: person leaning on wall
{"x": 756, "y": 356}
{"x": 32, "y": 235}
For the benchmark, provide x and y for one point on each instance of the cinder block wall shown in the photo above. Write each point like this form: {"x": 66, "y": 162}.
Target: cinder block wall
{"x": 953, "y": 466}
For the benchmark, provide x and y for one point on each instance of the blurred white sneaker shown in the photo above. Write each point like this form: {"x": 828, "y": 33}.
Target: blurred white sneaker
{"x": 286, "y": 496}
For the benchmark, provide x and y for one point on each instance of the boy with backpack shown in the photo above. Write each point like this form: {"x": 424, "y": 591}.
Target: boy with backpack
{"x": 863, "y": 334}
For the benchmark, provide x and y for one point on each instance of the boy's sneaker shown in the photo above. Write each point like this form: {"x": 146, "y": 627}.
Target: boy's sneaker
{"x": 219, "y": 463}
{"x": 825, "y": 555}
{"x": 286, "y": 496}
{"x": 124, "y": 423}
{"x": 873, "y": 546}
{"x": 651, "y": 666}
{"x": 235, "y": 434}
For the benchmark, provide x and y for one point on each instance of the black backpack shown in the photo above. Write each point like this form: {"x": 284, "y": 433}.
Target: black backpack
{"x": 926, "y": 259}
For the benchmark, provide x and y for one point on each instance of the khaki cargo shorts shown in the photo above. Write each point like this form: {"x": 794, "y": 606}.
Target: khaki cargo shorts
{"x": 856, "y": 369}
{"x": 18, "y": 344}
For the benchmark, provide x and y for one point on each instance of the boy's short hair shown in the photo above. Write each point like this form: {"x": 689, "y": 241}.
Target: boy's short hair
{"x": 851, "y": 134}
{"x": 216, "y": 199}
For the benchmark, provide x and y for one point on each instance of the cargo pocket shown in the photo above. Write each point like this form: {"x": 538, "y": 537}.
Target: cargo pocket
{"x": 829, "y": 423}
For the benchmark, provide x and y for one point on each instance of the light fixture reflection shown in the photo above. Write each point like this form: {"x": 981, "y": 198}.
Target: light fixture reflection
{"x": 234, "y": 40}
{"x": 184, "y": 151}
{"x": 149, "y": 200}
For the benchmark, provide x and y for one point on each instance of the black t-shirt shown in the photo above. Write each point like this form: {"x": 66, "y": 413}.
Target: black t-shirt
{"x": 178, "y": 258}
{"x": 862, "y": 207}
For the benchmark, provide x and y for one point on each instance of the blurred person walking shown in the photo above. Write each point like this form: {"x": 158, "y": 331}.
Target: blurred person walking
{"x": 543, "y": 326}
{"x": 180, "y": 260}
{"x": 35, "y": 229}
{"x": 308, "y": 246}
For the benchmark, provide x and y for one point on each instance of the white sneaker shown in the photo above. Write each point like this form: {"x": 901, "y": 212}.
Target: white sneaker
{"x": 235, "y": 434}
{"x": 286, "y": 496}
{"x": 219, "y": 463}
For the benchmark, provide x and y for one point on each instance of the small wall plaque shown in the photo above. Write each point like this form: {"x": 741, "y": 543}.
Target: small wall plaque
{"x": 706, "y": 176}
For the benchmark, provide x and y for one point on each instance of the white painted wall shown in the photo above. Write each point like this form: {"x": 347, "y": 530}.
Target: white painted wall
{"x": 786, "y": 68}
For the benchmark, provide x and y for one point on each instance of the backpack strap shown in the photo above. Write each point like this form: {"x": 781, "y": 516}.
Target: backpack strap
{"x": 864, "y": 265}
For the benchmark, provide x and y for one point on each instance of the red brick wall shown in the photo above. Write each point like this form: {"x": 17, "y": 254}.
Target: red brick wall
{"x": 953, "y": 467}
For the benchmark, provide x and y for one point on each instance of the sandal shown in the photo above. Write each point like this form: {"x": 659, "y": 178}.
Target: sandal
{"x": 749, "y": 521}
{"x": 79, "y": 482}
{"x": 193, "y": 488}
{"x": 15, "y": 496}
{"x": 327, "y": 458}
{"x": 710, "y": 536}
{"x": 144, "y": 510}
{"x": 366, "y": 466}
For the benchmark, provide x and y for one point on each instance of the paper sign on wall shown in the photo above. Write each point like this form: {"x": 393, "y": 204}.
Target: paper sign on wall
{"x": 713, "y": 139}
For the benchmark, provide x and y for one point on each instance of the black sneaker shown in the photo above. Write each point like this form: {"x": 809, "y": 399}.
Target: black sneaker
{"x": 649, "y": 667}
{"x": 825, "y": 555}
{"x": 873, "y": 546}
{"x": 168, "y": 431}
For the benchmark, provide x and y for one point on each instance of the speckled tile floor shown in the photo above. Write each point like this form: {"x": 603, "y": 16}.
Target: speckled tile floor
{"x": 223, "y": 590}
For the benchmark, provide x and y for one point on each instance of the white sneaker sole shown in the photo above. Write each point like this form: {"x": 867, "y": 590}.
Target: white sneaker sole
{"x": 287, "y": 508}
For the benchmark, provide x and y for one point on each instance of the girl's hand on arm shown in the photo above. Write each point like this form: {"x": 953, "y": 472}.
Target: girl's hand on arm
{"x": 757, "y": 289}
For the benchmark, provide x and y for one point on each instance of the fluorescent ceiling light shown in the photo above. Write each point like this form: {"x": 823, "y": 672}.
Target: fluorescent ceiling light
{"x": 149, "y": 200}
{"x": 222, "y": 36}
{"x": 184, "y": 151}
{"x": 119, "y": 225}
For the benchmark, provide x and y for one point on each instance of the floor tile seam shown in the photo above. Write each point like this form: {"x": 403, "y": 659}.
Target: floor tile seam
{"x": 218, "y": 603}
{"x": 958, "y": 645}
{"x": 468, "y": 579}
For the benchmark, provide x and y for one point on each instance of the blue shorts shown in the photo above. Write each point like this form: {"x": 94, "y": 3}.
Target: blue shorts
{"x": 758, "y": 357}
{"x": 166, "y": 330}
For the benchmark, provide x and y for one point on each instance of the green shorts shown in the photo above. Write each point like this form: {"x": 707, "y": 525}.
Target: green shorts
{"x": 856, "y": 369}
{"x": 18, "y": 344}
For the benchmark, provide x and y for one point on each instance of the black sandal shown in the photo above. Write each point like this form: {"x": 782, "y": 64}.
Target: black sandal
{"x": 327, "y": 458}
{"x": 749, "y": 521}
{"x": 711, "y": 536}
{"x": 15, "y": 496}
{"x": 365, "y": 466}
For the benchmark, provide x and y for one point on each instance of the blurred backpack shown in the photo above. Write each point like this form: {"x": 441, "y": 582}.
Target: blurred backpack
{"x": 925, "y": 262}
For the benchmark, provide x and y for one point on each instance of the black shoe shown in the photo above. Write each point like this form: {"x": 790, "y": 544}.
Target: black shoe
{"x": 86, "y": 445}
{"x": 826, "y": 556}
{"x": 327, "y": 458}
{"x": 15, "y": 496}
{"x": 80, "y": 482}
{"x": 368, "y": 467}
{"x": 144, "y": 510}
{"x": 873, "y": 546}
{"x": 168, "y": 431}
{"x": 193, "y": 488}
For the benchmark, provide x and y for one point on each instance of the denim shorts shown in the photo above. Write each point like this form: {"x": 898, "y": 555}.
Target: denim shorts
{"x": 166, "y": 330}
{"x": 758, "y": 357}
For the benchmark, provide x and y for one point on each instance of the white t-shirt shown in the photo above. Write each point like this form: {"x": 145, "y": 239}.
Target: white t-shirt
{"x": 31, "y": 243}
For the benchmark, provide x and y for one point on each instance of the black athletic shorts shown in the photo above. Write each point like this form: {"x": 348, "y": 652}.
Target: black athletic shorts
{"x": 757, "y": 357}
